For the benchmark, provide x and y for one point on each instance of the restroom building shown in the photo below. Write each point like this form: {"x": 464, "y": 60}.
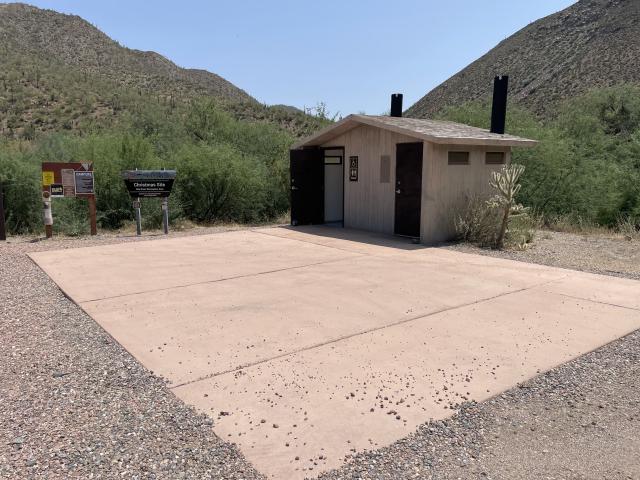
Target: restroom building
{"x": 397, "y": 175}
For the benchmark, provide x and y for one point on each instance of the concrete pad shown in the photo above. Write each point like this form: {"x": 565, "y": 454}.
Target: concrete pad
{"x": 309, "y": 329}
{"x": 164, "y": 264}
{"x": 321, "y": 399}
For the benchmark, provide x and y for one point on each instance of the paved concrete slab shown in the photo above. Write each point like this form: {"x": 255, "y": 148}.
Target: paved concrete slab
{"x": 316, "y": 342}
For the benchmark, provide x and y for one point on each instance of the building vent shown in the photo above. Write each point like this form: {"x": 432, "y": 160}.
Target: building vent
{"x": 499, "y": 107}
{"x": 396, "y": 105}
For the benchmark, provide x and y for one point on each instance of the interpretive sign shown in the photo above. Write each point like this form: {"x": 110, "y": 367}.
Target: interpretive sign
{"x": 149, "y": 183}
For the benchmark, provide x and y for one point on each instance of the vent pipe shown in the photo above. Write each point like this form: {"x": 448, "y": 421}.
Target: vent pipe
{"x": 499, "y": 107}
{"x": 396, "y": 105}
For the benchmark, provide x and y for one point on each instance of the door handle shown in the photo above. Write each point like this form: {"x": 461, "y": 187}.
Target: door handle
{"x": 293, "y": 187}
{"x": 398, "y": 191}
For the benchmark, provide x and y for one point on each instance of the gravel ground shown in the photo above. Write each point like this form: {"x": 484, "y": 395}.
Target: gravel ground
{"x": 605, "y": 254}
{"x": 578, "y": 421}
{"x": 74, "y": 404}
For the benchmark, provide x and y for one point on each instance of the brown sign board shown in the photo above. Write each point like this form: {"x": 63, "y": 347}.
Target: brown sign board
{"x": 76, "y": 178}
{"x": 69, "y": 179}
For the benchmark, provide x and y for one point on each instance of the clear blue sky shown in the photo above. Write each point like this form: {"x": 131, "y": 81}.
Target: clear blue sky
{"x": 350, "y": 54}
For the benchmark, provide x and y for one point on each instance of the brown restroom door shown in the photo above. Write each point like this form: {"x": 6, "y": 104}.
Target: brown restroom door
{"x": 307, "y": 186}
{"x": 408, "y": 189}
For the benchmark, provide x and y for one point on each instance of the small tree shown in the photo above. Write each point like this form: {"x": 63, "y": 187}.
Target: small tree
{"x": 506, "y": 184}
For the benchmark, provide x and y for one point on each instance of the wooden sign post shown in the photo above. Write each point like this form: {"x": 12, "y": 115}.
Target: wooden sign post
{"x": 72, "y": 179}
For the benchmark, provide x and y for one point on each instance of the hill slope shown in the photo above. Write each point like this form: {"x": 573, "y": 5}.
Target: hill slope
{"x": 73, "y": 42}
{"x": 58, "y": 72}
{"x": 593, "y": 43}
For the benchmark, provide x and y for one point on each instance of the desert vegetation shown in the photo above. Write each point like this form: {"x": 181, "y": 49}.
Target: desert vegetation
{"x": 585, "y": 172}
{"x": 228, "y": 170}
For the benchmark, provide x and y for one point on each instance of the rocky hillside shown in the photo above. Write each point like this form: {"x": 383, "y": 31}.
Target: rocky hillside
{"x": 73, "y": 42}
{"x": 59, "y": 72}
{"x": 593, "y": 43}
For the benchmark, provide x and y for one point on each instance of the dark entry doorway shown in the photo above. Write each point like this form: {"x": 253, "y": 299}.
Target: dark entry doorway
{"x": 307, "y": 186}
{"x": 408, "y": 189}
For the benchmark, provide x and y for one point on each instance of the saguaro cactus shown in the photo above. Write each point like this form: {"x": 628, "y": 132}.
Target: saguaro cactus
{"x": 507, "y": 187}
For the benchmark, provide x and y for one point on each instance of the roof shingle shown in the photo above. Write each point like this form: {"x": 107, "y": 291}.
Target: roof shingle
{"x": 436, "y": 131}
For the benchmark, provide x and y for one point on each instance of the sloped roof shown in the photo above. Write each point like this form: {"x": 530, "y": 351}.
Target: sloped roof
{"x": 435, "y": 131}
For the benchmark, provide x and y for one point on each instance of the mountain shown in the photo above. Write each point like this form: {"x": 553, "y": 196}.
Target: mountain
{"x": 58, "y": 71}
{"x": 593, "y": 43}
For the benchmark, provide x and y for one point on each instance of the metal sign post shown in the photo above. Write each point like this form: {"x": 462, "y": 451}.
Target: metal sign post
{"x": 150, "y": 184}
{"x": 3, "y": 231}
{"x": 136, "y": 207}
{"x": 165, "y": 215}
{"x": 47, "y": 215}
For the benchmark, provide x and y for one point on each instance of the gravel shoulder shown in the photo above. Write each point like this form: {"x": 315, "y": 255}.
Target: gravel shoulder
{"x": 595, "y": 253}
{"x": 74, "y": 404}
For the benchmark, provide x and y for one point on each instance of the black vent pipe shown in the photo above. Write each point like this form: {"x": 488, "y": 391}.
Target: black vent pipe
{"x": 499, "y": 107}
{"x": 396, "y": 105}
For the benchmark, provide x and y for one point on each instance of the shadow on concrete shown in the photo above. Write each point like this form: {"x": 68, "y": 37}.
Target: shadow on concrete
{"x": 340, "y": 233}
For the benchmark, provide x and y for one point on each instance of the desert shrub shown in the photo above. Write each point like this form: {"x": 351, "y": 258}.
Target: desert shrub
{"x": 478, "y": 223}
{"x": 499, "y": 220}
{"x": 522, "y": 230}
{"x": 629, "y": 227}
{"x": 22, "y": 198}
{"x": 221, "y": 184}
{"x": 70, "y": 216}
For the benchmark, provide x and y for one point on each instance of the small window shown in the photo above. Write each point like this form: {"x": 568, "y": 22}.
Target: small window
{"x": 494, "y": 158}
{"x": 333, "y": 156}
{"x": 458, "y": 158}
{"x": 385, "y": 169}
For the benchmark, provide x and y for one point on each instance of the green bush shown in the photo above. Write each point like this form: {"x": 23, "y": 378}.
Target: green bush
{"x": 228, "y": 170}
{"x": 587, "y": 162}
{"x": 22, "y": 195}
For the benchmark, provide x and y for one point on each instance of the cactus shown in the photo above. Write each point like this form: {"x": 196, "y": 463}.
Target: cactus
{"x": 505, "y": 182}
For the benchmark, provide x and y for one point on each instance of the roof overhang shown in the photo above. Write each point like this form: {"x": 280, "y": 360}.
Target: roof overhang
{"x": 352, "y": 121}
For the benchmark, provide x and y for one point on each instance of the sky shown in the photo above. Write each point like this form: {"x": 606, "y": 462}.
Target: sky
{"x": 351, "y": 55}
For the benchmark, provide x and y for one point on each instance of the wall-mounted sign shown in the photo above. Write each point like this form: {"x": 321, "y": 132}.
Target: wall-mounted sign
{"x": 353, "y": 169}
{"x": 68, "y": 181}
{"x": 48, "y": 177}
{"x": 149, "y": 183}
{"x": 83, "y": 182}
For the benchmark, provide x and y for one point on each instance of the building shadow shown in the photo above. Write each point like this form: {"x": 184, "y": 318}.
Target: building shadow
{"x": 337, "y": 232}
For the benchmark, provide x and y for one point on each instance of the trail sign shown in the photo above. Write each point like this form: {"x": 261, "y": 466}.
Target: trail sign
{"x": 149, "y": 183}
{"x": 69, "y": 179}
